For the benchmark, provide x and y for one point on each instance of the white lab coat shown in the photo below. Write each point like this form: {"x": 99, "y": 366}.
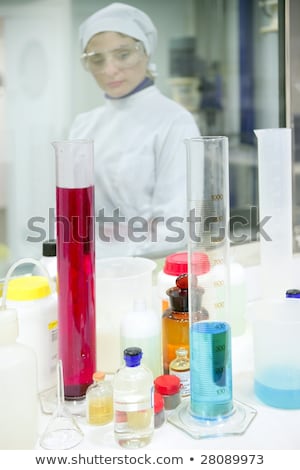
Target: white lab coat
{"x": 140, "y": 169}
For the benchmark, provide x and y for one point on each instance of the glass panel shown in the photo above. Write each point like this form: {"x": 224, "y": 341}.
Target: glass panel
{"x": 219, "y": 58}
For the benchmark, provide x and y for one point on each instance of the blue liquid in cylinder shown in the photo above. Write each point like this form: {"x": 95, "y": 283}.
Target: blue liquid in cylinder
{"x": 210, "y": 370}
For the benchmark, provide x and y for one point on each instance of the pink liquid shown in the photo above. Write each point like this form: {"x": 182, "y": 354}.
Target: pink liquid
{"x": 76, "y": 288}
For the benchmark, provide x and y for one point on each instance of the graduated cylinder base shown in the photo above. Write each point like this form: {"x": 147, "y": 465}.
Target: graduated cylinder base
{"x": 235, "y": 422}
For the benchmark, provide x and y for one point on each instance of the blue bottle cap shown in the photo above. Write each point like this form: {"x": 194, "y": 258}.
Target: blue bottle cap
{"x": 292, "y": 294}
{"x": 133, "y": 356}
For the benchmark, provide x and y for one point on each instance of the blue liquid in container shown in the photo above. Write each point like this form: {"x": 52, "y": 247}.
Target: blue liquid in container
{"x": 283, "y": 389}
{"x": 210, "y": 370}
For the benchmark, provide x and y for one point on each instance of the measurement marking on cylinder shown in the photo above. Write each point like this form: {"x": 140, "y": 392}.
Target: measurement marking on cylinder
{"x": 217, "y": 197}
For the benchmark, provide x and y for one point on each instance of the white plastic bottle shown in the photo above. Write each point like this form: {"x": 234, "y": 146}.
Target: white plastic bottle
{"x": 142, "y": 327}
{"x": 36, "y": 306}
{"x": 18, "y": 387}
{"x": 133, "y": 398}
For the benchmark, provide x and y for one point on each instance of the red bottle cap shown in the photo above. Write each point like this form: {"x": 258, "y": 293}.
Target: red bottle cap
{"x": 167, "y": 384}
{"x": 177, "y": 264}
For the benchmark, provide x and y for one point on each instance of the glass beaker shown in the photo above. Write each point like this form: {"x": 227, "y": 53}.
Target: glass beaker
{"x": 210, "y": 411}
{"x": 76, "y": 264}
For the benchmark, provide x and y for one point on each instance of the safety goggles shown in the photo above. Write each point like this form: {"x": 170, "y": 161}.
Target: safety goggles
{"x": 123, "y": 58}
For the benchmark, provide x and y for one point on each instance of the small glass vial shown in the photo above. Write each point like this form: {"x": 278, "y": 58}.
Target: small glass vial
{"x": 180, "y": 366}
{"x": 99, "y": 401}
{"x": 133, "y": 402}
{"x": 169, "y": 387}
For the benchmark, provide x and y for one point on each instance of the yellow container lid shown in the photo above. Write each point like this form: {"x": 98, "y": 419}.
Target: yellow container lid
{"x": 28, "y": 288}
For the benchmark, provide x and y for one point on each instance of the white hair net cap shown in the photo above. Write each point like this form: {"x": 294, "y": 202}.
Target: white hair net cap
{"x": 120, "y": 18}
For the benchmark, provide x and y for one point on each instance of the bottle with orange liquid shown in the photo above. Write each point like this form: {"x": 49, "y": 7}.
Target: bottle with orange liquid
{"x": 175, "y": 320}
{"x": 99, "y": 400}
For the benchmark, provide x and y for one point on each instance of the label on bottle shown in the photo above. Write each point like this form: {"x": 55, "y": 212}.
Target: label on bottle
{"x": 135, "y": 416}
{"x": 184, "y": 378}
{"x": 53, "y": 344}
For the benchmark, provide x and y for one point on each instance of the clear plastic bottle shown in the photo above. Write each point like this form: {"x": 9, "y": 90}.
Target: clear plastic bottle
{"x": 99, "y": 400}
{"x": 133, "y": 402}
{"x": 180, "y": 366}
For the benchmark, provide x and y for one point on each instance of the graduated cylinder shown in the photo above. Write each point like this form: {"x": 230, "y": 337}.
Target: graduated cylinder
{"x": 210, "y": 340}
{"x": 76, "y": 264}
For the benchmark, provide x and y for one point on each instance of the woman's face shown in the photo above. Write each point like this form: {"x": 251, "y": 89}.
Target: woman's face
{"x": 112, "y": 70}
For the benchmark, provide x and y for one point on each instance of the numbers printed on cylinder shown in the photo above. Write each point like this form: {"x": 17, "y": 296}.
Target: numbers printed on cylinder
{"x": 217, "y": 197}
{"x": 219, "y": 305}
{"x": 218, "y": 261}
{"x": 221, "y": 391}
{"x": 220, "y": 347}
{"x": 219, "y": 283}
{"x": 220, "y": 326}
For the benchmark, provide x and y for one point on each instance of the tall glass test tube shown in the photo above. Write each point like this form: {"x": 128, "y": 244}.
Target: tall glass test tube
{"x": 76, "y": 264}
{"x": 211, "y": 410}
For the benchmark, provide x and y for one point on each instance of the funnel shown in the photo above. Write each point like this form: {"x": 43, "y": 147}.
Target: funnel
{"x": 62, "y": 431}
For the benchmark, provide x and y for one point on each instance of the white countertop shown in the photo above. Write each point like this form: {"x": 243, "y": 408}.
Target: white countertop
{"x": 271, "y": 429}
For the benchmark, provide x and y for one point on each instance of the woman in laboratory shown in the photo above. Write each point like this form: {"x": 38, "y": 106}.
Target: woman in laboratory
{"x": 138, "y": 134}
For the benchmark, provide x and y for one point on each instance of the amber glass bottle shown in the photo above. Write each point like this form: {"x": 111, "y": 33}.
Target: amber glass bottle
{"x": 175, "y": 320}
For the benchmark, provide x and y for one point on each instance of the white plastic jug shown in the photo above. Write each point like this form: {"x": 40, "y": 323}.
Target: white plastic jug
{"x": 35, "y": 301}
{"x": 18, "y": 385}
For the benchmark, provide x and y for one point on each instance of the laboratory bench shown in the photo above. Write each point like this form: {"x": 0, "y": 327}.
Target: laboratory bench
{"x": 271, "y": 429}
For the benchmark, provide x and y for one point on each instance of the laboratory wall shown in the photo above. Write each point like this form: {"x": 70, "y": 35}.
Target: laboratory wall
{"x": 36, "y": 39}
